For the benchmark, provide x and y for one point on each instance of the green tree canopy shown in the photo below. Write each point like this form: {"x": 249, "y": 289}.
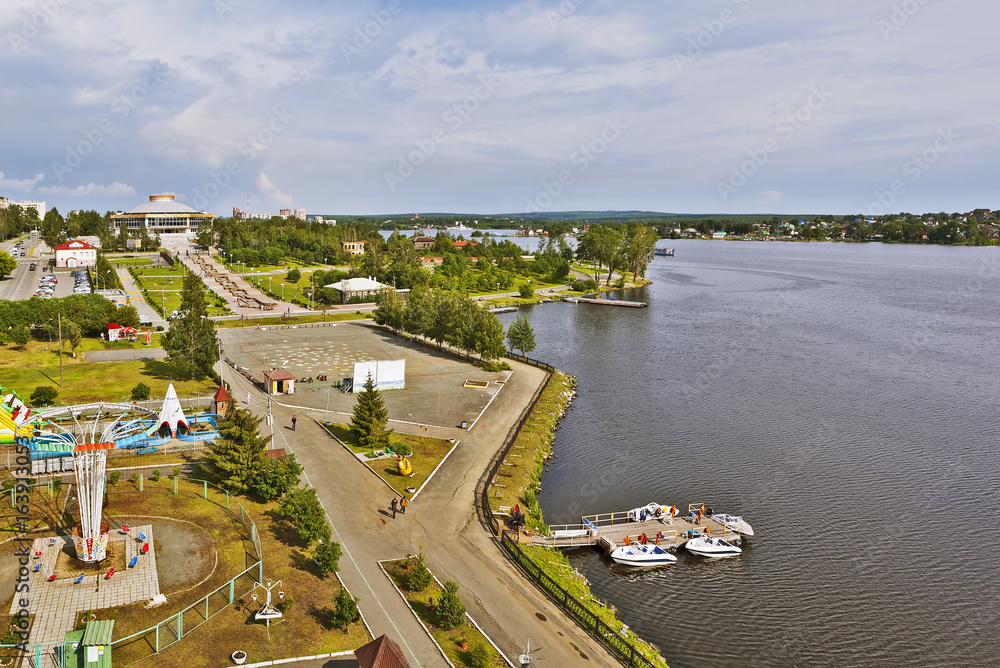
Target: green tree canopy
{"x": 43, "y": 395}
{"x": 302, "y": 508}
{"x": 520, "y": 335}
{"x": 345, "y": 610}
{"x": 277, "y": 477}
{"x": 7, "y": 264}
{"x": 238, "y": 454}
{"x": 191, "y": 344}
{"x": 450, "y": 609}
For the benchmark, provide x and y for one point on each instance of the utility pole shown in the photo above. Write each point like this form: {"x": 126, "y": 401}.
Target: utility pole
{"x": 60, "y": 349}
{"x": 270, "y": 418}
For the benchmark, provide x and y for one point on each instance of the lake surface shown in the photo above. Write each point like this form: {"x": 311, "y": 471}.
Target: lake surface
{"x": 841, "y": 397}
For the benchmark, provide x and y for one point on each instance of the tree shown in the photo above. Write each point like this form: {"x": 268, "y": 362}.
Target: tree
{"x": 127, "y": 316}
{"x": 302, "y": 508}
{"x": 71, "y": 334}
{"x": 238, "y": 454}
{"x": 520, "y": 335}
{"x": 418, "y": 578}
{"x": 345, "y": 610}
{"x": 277, "y": 477}
{"x": 7, "y": 264}
{"x": 327, "y": 555}
{"x": 191, "y": 343}
{"x": 20, "y": 335}
{"x": 370, "y": 417}
{"x": 450, "y": 609}
{"x": 140, "y": 392}
{"x": 489, "y": 342}
{"x": 391, "y": 311}
{"x": 526, "y": 291}
{"x": 480, "y": 656}
{"x": 293, "y": 276}
{"x": 44, "y": 395}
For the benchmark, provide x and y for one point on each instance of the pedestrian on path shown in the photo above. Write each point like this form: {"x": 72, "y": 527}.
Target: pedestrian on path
{"x": 293, "y": 423}
{"x": 402, "y": 505}
{"x": 392, "y": 507}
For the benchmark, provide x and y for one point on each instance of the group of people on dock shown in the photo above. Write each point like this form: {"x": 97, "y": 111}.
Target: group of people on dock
{"x": 643, "y": 539}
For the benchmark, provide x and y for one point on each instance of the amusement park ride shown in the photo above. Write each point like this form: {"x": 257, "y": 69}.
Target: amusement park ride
{"x": 81, "y": 441}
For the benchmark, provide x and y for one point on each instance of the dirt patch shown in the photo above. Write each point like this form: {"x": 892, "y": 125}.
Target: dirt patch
{"x": 185, "y": 554}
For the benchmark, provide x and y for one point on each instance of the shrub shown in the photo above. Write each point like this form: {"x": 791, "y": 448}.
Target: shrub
{"x": 345, "y": 610}
{"x": 327, "y": 556}
{"x": 293, "y": 276}
{"x": 480, "y": 656}
{"x": 44, "y": 395}
{"x": 154, "y": 476}
{"x": 177, "y": 471}
{"x": 495, "y": 365}
{"x": 402, "y": 449}
{"x": 450, "y": 610}
{"x": 418, "y": 578}
{"x": 114, "y": 477}
{"x": 159, "y": 328}
{"x": 583, "y": 285}
{"x": 140, "y": 392}
{"x": 285, "y": 604}
{"x": 12, "y": 637}
{"x": 526, "y": 291}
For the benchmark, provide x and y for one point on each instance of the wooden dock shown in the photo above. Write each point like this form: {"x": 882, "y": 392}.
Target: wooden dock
{"x": 612, "y": 302}
{"x": 608, "y": 531}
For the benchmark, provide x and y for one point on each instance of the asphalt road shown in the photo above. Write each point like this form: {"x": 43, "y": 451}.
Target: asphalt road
{"x": 442, "y": 522}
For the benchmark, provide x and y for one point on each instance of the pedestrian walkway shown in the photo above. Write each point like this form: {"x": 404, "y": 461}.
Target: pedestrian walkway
{"x": 242, "y": 292}
{"x": 134, "y": 295}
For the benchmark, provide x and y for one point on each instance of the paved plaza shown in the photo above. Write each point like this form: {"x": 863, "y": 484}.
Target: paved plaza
{"x": 56, "y": 604}
{"x": 435, "y": 394}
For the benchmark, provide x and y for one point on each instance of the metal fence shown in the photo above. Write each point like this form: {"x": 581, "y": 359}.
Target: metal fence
{"x": 173, "y": 628}
{"x": 621, "y": 646}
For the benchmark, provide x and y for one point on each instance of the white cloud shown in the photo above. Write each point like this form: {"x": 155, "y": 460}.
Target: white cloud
{"x": 770, "y": 197}
{"x": 270, "y": 190}
{"x": 24, "y": 185}
{"x": 116, "y": 189}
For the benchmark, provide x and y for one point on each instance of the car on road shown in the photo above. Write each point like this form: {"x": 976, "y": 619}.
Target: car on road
{"x": 33, "y": 266}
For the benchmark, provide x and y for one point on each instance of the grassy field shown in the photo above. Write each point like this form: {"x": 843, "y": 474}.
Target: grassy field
{"x": 130, "y": 261}
{"x": 450, "y": 641}
{"x": 427, "y": 454}
{"x": 304, "y": 630}
{"x": 38, "y": 364}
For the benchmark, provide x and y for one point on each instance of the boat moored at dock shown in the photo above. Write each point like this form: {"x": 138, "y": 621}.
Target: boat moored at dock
{"x": 642, "y": 555}
{"x": 713, "y": 548}
{"x": 733, "y": 523}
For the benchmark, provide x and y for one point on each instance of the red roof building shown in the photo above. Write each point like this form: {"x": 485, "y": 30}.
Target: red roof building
{"x": 75, "y": 253}
{"x": 381, "y": 653}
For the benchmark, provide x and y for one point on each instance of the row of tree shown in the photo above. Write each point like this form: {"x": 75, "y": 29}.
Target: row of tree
{"x": 620, "y": 248}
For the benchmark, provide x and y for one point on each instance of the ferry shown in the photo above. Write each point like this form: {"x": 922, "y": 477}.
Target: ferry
{"x": 668, "y": 252}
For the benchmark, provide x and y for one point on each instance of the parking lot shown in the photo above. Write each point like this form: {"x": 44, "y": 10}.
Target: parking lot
{"x": 435, "y": 391}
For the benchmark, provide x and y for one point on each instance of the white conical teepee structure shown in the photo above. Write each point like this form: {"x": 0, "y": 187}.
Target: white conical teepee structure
{"x": 171, "y": 413}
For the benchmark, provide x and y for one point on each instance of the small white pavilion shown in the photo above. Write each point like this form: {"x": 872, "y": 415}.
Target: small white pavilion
{"x": 171, "y": 414}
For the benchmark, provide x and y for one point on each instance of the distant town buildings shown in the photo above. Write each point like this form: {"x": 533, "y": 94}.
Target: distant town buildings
{"x": 300, "y": 214}
{"x": 75, "y": 253}
{"x": 423, "y": 243}
{"x": 161, "y": 214}
{"x": 25, "y": 204}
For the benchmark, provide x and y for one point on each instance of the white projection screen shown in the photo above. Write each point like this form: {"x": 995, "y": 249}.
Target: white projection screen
{"x": 387, "y": 374}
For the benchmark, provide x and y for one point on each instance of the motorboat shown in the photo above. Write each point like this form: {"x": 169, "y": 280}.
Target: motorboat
{"x": 733, "y": 523}
{"x": 714, "y": 548}
{"x": 648, "y": 512}
{"x": 642, "y": 555}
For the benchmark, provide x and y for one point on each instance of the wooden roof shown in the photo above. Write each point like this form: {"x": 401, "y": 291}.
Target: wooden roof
{"x": 381, "y": 653}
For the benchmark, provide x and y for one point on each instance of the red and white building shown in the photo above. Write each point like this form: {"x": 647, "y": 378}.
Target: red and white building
{"x": 75, "y": 253}
{"x": 118, "y": 333}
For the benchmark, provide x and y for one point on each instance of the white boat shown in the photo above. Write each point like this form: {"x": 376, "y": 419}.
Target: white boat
{"x": 733, "y": 523}
{"x": 642, "y": 555}
{"x": 652, "y": 511}
{"x": 714, "y": 548}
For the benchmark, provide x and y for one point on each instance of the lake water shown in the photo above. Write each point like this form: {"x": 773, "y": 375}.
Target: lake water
{"x": 841, "y": 397}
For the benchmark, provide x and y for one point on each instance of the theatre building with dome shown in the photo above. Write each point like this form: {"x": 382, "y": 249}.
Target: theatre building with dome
{"x": 161, "y": 215}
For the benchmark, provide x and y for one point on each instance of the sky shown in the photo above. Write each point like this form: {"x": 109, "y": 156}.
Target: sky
{"x": 397, "y": 106}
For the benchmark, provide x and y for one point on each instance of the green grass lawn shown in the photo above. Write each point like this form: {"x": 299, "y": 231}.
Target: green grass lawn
{"x": 422, "y": 603}
{"x": 427, "y": 454}
{"x": 24, "y": 370}
{"x": 129, "y": 261}
{"x": 163, "y": 289}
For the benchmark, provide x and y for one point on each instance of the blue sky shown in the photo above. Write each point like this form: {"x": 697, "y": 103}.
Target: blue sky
{"x": 727, "y": 106}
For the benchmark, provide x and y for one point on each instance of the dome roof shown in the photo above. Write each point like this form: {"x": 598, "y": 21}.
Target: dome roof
{"x": 162, "y": 204}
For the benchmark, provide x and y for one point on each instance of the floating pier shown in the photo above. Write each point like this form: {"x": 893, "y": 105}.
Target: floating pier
{"x": 608, "y": 531}
{"x": 611, "y": 302}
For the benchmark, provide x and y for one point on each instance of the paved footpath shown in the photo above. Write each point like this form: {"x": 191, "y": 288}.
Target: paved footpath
{"x": 443, "y": 522}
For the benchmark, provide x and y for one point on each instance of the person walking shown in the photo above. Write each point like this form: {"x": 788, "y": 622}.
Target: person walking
{"x": 402, "y": 505}
{"x": 293, "y": 423}
{"x": 392, "y": 507}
